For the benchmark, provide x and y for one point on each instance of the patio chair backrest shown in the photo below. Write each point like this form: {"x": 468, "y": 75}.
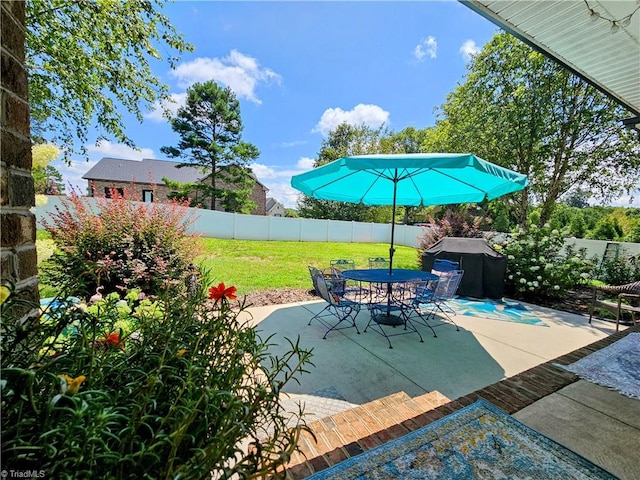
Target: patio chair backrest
{"x": 444, "y": 265}
{"x": 422, "y": 291}
{"x": 323, "y": 290}
{"x": 315, "y": 273}
{"x": 378, "y": 262}
{"x": 342, "y": 264}
{"x": 448, "y": 285}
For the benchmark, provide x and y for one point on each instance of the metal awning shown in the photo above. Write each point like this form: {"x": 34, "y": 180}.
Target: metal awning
{"x": 598, "y": 40}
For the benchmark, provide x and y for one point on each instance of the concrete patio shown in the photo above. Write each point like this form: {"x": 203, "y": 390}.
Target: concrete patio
{"x": 352, "y": 369}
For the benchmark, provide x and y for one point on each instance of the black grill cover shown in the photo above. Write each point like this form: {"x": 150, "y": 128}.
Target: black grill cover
{"x": 484, "y": 268}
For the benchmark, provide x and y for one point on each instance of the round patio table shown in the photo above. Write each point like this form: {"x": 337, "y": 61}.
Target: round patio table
{"x": 382, "y": 275}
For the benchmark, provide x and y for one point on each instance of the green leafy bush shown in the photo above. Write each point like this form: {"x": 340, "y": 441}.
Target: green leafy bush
{"x": 538, "y": 265}
{"x": 619, "y": 271}
{"x": 175, "y": 386}
{"x": 119, "y": 245}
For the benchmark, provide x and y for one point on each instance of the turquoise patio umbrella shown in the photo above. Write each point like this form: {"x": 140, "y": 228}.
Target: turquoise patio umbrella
{"x": 413, "y": 179}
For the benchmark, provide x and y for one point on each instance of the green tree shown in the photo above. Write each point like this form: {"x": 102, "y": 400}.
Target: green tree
{"x": 634, "y": 234}
{"x": 345, "y": 140}
{"x": 408, "y": 140}
{"x": 86, "y": 58}
{"x": 578, "y": 226}
{"x": 181, "y": 191}
{"x": 578, "y": 198}
{"x": 607, "y": 228}
{"x": 210, "y": 130}
{"x": 523, "y": 111}
{"x": 47, "y": 179}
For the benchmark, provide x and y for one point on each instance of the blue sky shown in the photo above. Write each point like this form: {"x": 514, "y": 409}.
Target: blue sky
{"x": 301, "y": 68}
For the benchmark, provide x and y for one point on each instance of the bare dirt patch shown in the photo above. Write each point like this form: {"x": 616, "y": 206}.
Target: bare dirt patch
{"x": 279, "y": 296}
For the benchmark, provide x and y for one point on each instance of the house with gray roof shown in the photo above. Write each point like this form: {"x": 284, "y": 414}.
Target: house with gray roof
{"x": 143, "y": 180}
{"x": 275, "y": 208}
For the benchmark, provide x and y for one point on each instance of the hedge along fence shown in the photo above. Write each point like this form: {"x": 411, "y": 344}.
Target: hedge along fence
{"x": 214, "y": 224}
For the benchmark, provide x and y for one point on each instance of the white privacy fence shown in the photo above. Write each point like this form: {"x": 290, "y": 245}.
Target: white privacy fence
{"x": 216, "y": 224}
{"x": 599, "y": 247}
{"x": 210, "y": 223}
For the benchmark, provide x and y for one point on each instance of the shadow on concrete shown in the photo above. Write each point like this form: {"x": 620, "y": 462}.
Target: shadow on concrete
{"x": 362, "y": 368}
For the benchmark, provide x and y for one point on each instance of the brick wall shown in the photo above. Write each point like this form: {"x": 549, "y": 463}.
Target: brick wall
{"x": 160, "y": 192}
{"x": 18, "y": 225}
{"x": 259, "y": 194}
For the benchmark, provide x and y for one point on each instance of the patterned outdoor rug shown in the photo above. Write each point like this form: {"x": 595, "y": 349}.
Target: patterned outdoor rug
{"x": 616, "y": 366}
{"x": 477, "y": 442}
{"x": 502, "y": 310}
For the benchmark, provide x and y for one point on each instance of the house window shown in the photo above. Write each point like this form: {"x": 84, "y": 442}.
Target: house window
{"x": 109, "y": 190}
{"x": 147, "y": 196}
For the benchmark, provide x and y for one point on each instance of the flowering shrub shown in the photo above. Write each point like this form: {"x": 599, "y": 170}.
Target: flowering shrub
{"x": 539, "y": 266}
{"x": 121, "y": 245}
{"x": 453, "y": 224}
{"x": 131, "y": 387}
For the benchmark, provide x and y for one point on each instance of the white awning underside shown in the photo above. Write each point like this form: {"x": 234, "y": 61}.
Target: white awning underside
{"x": 565, "y": 30}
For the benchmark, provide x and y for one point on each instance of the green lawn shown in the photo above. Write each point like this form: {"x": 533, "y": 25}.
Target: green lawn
{"x": 252, "y": 265}
{"x": 257, "y": 265}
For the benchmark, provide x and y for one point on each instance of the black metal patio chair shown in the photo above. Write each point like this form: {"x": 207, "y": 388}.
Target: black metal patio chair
{"x": 338, "y": 308}
{"x": 429, "y": 297}
{"x": 388, "y": 317}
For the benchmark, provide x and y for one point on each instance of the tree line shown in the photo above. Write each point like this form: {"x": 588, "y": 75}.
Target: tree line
{"x": 520, "y": 110}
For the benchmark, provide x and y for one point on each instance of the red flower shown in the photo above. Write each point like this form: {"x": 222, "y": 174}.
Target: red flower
{"x": 112, "y": 340}
{"x": 220, "y": 292}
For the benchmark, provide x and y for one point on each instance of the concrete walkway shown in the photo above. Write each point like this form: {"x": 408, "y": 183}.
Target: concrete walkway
{"x": 352, "y": 369}
{"x": 599, "y": 424}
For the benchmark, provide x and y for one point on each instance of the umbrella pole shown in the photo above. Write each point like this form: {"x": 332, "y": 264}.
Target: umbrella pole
{"x": 393, "y": 223}
{"x": 391, "y": 249}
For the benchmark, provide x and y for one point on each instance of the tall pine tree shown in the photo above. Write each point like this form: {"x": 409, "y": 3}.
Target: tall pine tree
{"x": 210, "y": 130}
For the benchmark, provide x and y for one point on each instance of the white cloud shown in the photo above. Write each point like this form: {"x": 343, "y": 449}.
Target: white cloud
{"x": 119, "y": 150}
{"x": 279, "y": 181}
{"x": 427, "y": 47}
{"x": 369, "y": 115}
{"x": 238, "y": 71}
{"x": 72, "y": 174}
{"x": 171, "y": 106}
{"x": 469, "y": 49}
{"x": 306, "y": 163}
{"x": 285, "y": 194}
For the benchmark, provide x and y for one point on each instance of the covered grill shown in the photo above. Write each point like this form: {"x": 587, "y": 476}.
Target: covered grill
{"x": 484, "y": 268}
